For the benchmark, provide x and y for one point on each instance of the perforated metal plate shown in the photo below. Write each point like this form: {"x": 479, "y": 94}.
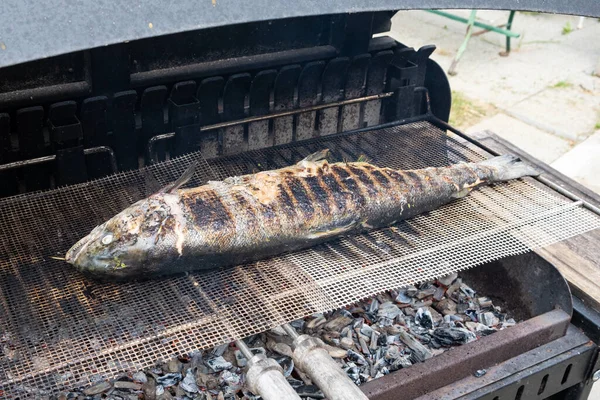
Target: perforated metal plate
{"x": 58, "y": 330}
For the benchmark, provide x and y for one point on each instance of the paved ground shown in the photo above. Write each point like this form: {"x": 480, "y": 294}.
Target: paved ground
{"x": 543, "y": 97}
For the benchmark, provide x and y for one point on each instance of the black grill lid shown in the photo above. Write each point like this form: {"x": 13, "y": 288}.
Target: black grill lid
{"x": 30, "y": 30}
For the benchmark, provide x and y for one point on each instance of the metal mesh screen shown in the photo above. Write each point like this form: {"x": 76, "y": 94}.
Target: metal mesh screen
{"x": 58, "y": 330}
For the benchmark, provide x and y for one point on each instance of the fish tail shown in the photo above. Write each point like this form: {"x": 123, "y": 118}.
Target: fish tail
{"x": 507, "y": 167}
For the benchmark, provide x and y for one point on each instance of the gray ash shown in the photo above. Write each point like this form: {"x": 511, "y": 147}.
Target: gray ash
{"x": 370, "y": 339}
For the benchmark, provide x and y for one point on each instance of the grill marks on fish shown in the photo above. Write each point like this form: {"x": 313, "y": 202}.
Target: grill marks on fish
{"x": 311, "y": 199}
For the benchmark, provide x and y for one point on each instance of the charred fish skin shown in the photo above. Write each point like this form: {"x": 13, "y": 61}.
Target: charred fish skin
{"x": 247, "y": 218}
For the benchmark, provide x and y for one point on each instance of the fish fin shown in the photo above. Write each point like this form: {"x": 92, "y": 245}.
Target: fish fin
{"x": 509, "y": 167}
{"x": 461, "y": 193}
{"x": 182, "y": 180}
{"x": 324, "y": 234}
{"x": 152, "y": 184}
{"x": 318, "y": 156}
{"x": 364, "y": 159}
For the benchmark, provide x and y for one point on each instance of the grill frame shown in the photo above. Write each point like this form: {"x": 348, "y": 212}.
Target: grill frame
{"x": 507, "y": 386}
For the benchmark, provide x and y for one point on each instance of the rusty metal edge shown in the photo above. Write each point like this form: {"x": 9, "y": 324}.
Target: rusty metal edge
{"x": 462, "y": 361}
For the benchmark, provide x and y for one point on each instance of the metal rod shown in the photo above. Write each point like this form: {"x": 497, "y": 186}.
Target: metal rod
{"x": 45, "y": 159}
{"x": 290, "y": 331}
{"x": 476, "y": 23}
{"x": 257, "y": 118}
{"x": 244, "y": 349}
{"x": 541, "y": 179}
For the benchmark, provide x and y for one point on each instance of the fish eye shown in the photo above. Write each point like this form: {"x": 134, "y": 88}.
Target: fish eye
{"x": 107, "y": 239}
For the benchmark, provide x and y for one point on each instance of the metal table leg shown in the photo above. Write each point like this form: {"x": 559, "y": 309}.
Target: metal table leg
{"x": 463, "y": 46}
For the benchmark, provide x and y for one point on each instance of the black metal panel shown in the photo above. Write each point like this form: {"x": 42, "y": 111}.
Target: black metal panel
{"x": 152, "y": 104}
{"x": 30, "y": 125}
{"x": 184, "y": 116}
{"x": 234, "y": 99}
{"x": 94, "y": 122}
{"x": 285, "y": 88}
{"x": 209, "y": 93}
{"x": 8, "y": 180}
{"x": 259, "y": 134}
{"x": 124, "y": 135}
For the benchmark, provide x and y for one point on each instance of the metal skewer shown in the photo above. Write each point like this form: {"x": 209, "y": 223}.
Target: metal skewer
{"x": 313, "y": 359}
{"x": 265, "y": 376}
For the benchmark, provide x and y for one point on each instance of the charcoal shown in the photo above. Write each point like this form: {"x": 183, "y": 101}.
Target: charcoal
{"x": 484, "y": 302}
{"x": 219, "y": 350}
{"x": 356, "y": 357}
{"x": 282, "y": 348}
{"x": 240, "y": 360}
{"x": 374, "y": 343}
{"x": 310, "y": 391}
{"x": 347, "y": 343}
{"x": 388, "y": 332}
{"x": 338, "y": 323}
{"x": 218, "y": 364}
{"x": 231, "y": 380}
{"x": 453, "y": 336}
{"x": 174, "y": 365}
{"x": 298, "y": 324}
{"x": 425, "y": 293}
{"x": 295, "y": 383}
{"x": 127, "y": 385}
{"x": 403, "y": 297}
{"x": 448, "y": 279}
{"x": 366, "y": 330}
{"x": 479, "y": 373}
{"x": 388, "y": 310}
{"x": 140, "y": 376}
{"x": 98, "y": 388}
{"x": 446, "y": 306}
{"x": 287, "y": 364}
{"x": 470, "y": 293}
{"x": 189, "y": 382}
{"x": 509, "y": 322}
{"x": 374, "y": 306}
{"x": 439, "y": 293}
{"x": 488, "y": 319}
{"x": 169, "y": 379}
{"x": 424, "y": 319}
{"x": 411, "y": 291}
{"x": 149, "y": 389}
{"x": 336, "y": 352}
{"x": 316, "y": 322}
{"x": 420, "y": 352}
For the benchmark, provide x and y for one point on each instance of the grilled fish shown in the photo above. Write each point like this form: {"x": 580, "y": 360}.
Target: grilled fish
{"x": 251, "y": 217}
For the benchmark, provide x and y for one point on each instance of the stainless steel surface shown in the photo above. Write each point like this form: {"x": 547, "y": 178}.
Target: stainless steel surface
{"x": 65, "y": 331}
{"x": 265, "y": 377}
{"x": 312, "y": 358}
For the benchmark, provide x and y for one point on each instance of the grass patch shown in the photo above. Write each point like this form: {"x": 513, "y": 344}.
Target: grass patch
{"x": 597, "y": 126}
{"x": 567, "y": 28}
{"x": 562, "y": 84}
{"x": 465, "y": 112}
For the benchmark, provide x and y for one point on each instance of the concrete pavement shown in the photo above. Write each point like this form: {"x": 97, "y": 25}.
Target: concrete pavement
{"x": 544, "y": 97}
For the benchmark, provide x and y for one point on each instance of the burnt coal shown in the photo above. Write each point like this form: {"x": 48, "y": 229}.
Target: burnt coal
{"x": 370, "y": 339}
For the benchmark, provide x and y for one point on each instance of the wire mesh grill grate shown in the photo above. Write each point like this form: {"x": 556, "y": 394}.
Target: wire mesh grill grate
{"x": 58, "y": 330}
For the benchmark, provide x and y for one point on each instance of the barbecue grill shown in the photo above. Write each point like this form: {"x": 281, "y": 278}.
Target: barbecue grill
{"x": 94, "y": 118}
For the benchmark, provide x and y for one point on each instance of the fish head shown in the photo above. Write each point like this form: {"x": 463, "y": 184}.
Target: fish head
{"x": 123, "y": 244}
